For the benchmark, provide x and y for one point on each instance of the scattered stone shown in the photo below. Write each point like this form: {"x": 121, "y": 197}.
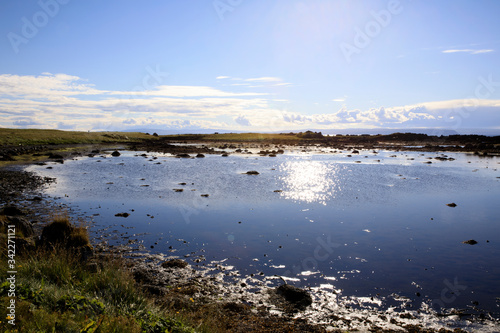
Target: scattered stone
{"x": 183, "y": 155}
{"x": 470, "y": 242}
{"x": 252, "y": 172}
{"x": 174, "y": 263}
{"x": 451, "y": 204}
{"x": 122, "y": 215}
{"x": 116, "y": 153}
{"x": 205, "y": 195}
{"x": 178, "y": 189}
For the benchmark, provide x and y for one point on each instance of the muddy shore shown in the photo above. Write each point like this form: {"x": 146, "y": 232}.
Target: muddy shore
{"x": 216, "y": 293}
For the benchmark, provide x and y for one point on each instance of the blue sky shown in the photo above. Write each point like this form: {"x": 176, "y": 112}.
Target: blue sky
{"x": 249, "y": 65}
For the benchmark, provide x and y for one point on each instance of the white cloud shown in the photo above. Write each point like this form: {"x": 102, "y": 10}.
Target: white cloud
{"x": 65, "y": 101}
{"x": 470, "y": 51}
{"x": 222, "y": 77}
{"x": 338, "y": 100}
{"x": 264, "y": 79}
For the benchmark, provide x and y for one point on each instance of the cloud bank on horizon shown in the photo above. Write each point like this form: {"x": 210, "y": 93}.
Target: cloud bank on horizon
{"x": 249, "y": 66}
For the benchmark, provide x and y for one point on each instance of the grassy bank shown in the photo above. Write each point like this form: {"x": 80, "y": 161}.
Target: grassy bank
{"x": 57, "y": 291}
{"x": 15, "y": 137}
{"x": 235, "y": 137}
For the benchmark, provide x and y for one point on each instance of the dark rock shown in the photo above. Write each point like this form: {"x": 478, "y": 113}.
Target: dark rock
{"x": 470, "y": 242}
{"x": 116, "y": 153}
{"x": 12, "y": 210}
{"x": 174, "y": 263}
{"x": 205, "y": 195}
{"x": 298, "y": 298}
{"x": 122, "y": 215}
{"x": 253, "y": 172}
{"x": 53, "y": 156}
{"x": 183, "y": 155}
{"x": 451, "y": 204}
{"x": 200, "y": 155}
{"x": 178, "y": 190}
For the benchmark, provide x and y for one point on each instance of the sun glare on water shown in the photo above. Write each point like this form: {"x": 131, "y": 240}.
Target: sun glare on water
{"x": 309, "y": 181}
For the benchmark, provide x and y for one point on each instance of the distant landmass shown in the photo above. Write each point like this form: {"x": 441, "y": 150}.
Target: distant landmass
{"x": 351, "y": 131}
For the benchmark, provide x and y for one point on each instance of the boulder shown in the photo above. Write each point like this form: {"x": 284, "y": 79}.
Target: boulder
{"x": 116, "y": 153}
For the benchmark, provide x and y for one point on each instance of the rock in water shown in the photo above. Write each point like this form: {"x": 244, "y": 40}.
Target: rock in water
{"x": 116, "y": 153}
{"x": 122, "y": 214}
{"x": 253, "y": 172}
{"x": 470, "y": 242}
{"x": 451, "y": 204}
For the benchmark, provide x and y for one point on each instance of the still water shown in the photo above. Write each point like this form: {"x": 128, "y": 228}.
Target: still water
{"x": 370, "y": 225}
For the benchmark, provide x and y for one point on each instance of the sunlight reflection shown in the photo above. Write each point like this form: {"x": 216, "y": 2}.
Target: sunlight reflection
{"x": 309, "y": 181}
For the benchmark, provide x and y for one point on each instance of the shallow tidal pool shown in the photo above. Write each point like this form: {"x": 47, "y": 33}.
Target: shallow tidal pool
{"x": 375, "y": 225}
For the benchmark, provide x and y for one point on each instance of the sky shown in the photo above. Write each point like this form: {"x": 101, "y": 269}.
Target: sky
{"x": 249, "y": 65}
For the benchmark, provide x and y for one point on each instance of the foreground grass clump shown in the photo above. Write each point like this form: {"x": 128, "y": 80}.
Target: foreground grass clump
{"x": 58, "y": 291}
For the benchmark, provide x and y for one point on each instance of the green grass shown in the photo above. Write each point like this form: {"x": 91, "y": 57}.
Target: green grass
{"x": 236, "y": 137}
{"x": 56, "y": 292}
{"x": 16, "y": 137}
